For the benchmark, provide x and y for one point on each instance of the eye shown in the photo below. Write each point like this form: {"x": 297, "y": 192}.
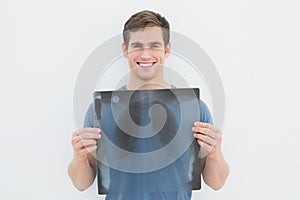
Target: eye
{"x": 155, "y": 46}
{"x": 137, "y": 46}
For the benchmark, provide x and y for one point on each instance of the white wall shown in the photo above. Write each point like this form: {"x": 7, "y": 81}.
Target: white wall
{"x": 254, "y": 45}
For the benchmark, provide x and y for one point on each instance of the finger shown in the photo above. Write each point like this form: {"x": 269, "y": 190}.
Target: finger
{"x": 75, "y": 140}
{"x": 74, "y": 134}
{"x": 205, "y": 131}
{"x": 205, "y": 147}
{"x": 206, "y": 139}
{"x": 206, "y": 125}
{"x": 85, "y": 151}
{"x": 219, "y": 140}
{"x": 89, "y": 130}
{"x": 84, "y": 144}
{"x": 78, "y": 145}
{"x": 87, "y": 143}
{"x": 90, "y": 135}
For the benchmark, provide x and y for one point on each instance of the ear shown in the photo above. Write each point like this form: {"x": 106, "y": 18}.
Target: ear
{"x": 168, "y": 50}
{"x": 124, "y": 50}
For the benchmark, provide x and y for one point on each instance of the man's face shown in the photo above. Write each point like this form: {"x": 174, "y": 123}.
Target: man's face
{"x": 146, "y": 53}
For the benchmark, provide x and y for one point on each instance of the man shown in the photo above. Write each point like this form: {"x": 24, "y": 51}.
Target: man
{"x": 146, "y": 46}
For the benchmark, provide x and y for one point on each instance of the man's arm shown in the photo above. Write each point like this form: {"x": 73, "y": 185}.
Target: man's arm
{"x": 214, "y": 167}
{"x": 82, "y": 169}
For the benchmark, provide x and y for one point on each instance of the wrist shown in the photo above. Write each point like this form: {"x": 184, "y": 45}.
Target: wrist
{"x": 215, "y": 156}
{"x": 80, "y": 160}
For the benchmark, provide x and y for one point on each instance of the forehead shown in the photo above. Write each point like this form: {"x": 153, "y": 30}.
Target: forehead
{"x": 149, "y": 34}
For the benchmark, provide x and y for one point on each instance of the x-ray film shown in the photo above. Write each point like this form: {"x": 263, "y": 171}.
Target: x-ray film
{"x": 147, "y": 143}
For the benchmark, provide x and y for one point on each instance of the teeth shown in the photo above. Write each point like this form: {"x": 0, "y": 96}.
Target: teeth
{"x": 145, "y": 64}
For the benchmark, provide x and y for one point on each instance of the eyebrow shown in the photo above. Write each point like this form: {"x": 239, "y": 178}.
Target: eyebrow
{"x": 150, "y": 43}
{"x": 157, "y": 43}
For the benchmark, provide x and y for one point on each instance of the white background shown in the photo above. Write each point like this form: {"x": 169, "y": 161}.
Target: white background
{"x": 254, "y": 45}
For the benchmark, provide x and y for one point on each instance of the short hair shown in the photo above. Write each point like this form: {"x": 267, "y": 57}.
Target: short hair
{"x": 143, "y": 19}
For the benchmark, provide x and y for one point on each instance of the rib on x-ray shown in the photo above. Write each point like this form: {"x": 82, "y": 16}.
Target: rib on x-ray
{"x": 147, "y": 142}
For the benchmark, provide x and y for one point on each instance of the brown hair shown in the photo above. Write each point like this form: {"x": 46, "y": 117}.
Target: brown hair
{"x": 144, "y": 19}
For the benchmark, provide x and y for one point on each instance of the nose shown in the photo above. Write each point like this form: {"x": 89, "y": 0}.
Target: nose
{"x": 145, "y": 53}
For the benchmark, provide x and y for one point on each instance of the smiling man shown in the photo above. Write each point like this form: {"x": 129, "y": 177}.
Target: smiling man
{"x": 146, "y": 46}
{"x": 146, "y": 52}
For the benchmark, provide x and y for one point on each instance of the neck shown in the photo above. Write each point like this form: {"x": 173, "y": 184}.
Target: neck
{"x": 150, "y": 84}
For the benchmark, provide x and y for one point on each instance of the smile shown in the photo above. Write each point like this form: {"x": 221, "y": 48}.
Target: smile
{"x": 146, "y": 64}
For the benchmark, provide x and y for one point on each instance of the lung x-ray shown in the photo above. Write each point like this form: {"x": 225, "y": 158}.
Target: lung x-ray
{"x": 147, "y": 143}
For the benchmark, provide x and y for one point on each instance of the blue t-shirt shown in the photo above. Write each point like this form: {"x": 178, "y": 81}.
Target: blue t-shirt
{"x": 205, "y": 116}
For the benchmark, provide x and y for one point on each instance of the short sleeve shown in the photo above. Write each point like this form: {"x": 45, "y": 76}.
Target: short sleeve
{"x": 89, "y": 117}
{"x": 205, "y": 115}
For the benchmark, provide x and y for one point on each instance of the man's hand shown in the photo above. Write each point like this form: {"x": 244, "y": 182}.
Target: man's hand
{"x": 84, "y": 142}
{"x": 214, "y": 168}
{"x": 82, "y": 169}
{"x": 209, "y": 138}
